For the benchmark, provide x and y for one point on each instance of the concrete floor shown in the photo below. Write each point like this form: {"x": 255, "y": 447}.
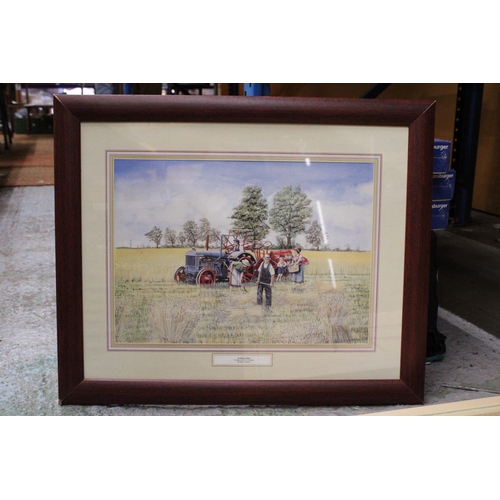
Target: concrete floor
{"x": 469, "y": 271}
{"x": 469, "y": 289}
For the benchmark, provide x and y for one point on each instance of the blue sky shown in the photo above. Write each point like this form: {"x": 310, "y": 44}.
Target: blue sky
{"x": 149, "y": 192}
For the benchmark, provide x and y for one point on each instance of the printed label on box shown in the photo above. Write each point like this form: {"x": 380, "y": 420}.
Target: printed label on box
{"x": 442, "y": 150}
{"x": 440, "y": 211}
{"x": 443, "y": 185}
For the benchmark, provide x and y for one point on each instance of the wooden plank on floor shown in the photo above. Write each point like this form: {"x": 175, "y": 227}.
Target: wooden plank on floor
{"x": 472, "y": 407}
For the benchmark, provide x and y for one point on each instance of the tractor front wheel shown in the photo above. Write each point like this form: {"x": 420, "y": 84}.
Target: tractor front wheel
{"x": 205, "y": 277}
{"x": 180, "y": 275}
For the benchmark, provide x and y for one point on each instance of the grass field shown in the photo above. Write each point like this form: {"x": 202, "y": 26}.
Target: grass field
{"x": 151, "y": 308}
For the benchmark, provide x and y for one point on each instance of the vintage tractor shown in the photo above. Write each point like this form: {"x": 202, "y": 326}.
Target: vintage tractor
{"x": 207, "y": 267}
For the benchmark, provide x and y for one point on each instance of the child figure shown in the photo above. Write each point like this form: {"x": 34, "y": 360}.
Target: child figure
{"x": 281, "y": 268}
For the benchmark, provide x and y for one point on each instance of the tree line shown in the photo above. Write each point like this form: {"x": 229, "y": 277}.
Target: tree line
{"x": 290, "y": 215}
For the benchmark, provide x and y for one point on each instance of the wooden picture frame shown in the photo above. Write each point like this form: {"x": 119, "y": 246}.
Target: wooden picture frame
{"x": 87, "y": 128}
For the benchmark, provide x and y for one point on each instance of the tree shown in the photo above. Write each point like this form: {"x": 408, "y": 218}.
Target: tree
{"x": 281, "y": 243}
{"x": 192, "y": 232}
{"x": 251, "y": 214}
{"x": 314, "y": 235}
{"x": 181, "y": 237}
{"x": 204, "y": 229}
{"x": 291, "y": 212}
{"x": 155, "y": 235}
{"x": 170, "y": 236}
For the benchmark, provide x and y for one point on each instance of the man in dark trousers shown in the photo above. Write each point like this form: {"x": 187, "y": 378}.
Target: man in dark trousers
{"x": 265, "y": 281}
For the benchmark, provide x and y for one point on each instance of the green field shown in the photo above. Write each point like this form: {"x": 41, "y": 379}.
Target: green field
{"x": 151, "y": 308}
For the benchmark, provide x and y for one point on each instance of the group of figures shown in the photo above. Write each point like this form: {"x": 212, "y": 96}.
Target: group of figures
{"x": 268, "y": 274}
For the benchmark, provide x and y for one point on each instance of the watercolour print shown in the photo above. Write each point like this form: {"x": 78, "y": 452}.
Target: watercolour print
{"x": 189, "y": 233}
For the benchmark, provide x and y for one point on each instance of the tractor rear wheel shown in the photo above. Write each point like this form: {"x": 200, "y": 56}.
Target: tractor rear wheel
{"x": 250, "y": 273}
{"x": 206, "y": 277}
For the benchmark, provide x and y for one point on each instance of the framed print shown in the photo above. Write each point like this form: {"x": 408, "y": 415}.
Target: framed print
{"x": 242, "y": 250}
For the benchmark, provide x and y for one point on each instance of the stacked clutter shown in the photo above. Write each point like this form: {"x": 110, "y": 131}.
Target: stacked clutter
{"x": 443, "y": 188}
{"x": 443, "y": 184}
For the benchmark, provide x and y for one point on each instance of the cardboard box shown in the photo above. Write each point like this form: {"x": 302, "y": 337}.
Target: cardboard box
{"x": 443, "y": 185}
{"x": 442, "y": 155}
{"x": 440, "y": 214}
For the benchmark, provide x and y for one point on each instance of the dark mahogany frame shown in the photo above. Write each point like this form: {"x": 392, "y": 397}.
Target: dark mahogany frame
{"x": 71, "y": 111}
